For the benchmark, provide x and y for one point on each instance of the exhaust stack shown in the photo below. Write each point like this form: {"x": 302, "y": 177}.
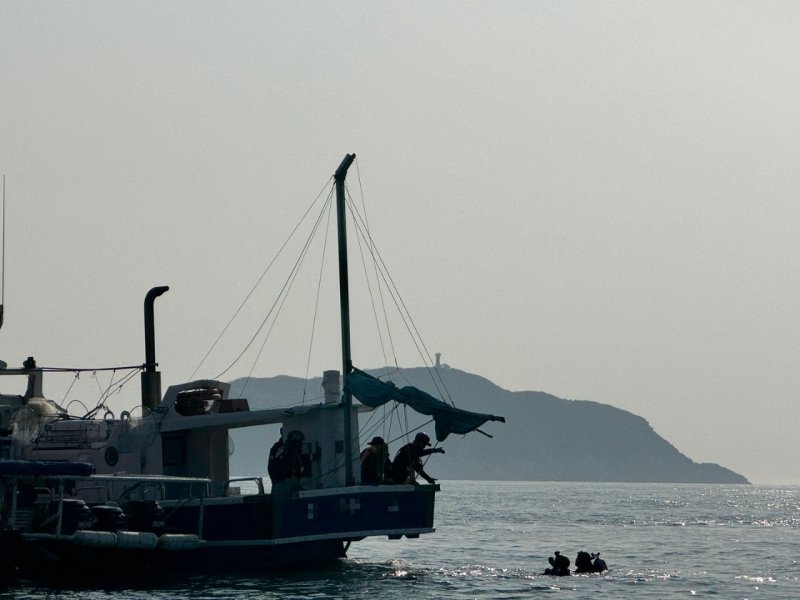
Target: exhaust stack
{"x": 151, "y": 378}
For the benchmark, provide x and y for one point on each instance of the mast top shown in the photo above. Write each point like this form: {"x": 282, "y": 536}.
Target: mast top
{"x": 341, "y": 172}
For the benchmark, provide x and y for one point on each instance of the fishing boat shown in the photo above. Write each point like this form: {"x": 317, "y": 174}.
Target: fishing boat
{"x": 61, "y": 520}
{"x": 158, "y": 489}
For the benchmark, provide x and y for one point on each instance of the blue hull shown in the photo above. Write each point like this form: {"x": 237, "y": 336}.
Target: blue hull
{"x": 347, "y": 514}
{"x": 257, "y": 533}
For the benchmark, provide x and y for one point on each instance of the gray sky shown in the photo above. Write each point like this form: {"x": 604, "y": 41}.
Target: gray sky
{"x": 596, "y": 200}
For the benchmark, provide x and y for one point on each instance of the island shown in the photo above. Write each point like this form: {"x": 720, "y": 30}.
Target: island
{"x": 545, "y": 438}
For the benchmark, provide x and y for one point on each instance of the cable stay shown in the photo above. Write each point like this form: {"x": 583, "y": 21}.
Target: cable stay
{"x": 382, "y": 293}
{"x": 282, "y": 294}
{"x": 316, "y": 301}
{"x": 402, "y": 309}
{"x": 258, "y": 281}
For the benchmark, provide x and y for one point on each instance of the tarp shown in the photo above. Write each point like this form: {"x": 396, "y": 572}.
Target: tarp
{"x": 374, "y": 392}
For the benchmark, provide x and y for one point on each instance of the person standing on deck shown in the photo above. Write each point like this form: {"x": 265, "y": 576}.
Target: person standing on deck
{"x": 376, "y": 468}
{"x": 274, "y": 460}
{"x": 407, "y": 461}
{"x": 287, "y": 464}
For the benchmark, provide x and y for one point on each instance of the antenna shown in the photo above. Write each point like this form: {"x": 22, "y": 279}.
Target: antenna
{"x": 3, "y": 259}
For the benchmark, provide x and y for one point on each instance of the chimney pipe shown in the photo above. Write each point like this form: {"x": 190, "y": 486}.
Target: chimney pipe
{"x": 151, "y": 378}
{"x": 332, "y": 385}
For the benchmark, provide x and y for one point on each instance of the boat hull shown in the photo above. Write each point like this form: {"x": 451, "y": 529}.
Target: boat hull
{"x": 348, "y": 514}
{"x": 259, "y": 533}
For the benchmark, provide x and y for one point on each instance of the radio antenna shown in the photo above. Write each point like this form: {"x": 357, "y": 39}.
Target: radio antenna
{"x": 3, "y": 258}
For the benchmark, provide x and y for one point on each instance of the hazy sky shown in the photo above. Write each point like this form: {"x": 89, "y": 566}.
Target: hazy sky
{"x": 593, "y": 199}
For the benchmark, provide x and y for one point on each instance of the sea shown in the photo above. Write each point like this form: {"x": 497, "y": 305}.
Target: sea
{"x": 493, "y": 539}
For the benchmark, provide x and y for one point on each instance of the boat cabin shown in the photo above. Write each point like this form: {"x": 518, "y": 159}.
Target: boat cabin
{"x": 185, "y": 435}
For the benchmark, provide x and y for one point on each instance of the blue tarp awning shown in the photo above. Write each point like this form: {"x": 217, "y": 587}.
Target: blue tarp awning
{"x": 374, "y": 392}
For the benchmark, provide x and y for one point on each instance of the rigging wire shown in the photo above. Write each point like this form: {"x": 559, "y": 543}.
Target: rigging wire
{"x": 258, "y": 281}
{"x": 292, "y": 278}
{"x": 372, "y": 297}
{"x": 74, "y": 379}
{"x": 280, "y": 299}
{"x": 89, "y": 369}
{"x": 371, "y": 294}
{"x": 316, "y": 301}
{"x": 378, "y": 282}
{"x": 3, "y": 264}
{"x": 365, "y": 239}
{"x": 403, "y": 311}
{"x": 105, "y": 393}
{"x": 97, "y": 381}
{"x": 366, "y": 243}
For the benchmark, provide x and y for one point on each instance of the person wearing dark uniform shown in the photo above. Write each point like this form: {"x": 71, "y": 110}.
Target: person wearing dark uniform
{"x": 407, "y": 461}
{"x": 274, "y": 461}
{"x": 376, "y": 468}
{"x": 286, "y": 461}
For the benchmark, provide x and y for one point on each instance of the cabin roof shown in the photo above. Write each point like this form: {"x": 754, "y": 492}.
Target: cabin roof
{"x": 233, "y": 420}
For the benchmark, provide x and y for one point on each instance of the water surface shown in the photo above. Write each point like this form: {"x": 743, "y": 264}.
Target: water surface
{"x": 493, "y": 540}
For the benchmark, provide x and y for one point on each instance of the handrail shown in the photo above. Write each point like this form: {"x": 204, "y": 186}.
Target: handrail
{"x": 259, "y": 482}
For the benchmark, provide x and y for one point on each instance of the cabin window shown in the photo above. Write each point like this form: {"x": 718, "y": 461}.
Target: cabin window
{"x": 173, "y": 450}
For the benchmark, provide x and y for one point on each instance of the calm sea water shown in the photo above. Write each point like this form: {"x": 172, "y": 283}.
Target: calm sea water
{"x": 493, "y": 540}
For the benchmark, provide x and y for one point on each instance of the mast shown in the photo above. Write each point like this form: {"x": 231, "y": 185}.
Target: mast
{"x": 344, "y": 303}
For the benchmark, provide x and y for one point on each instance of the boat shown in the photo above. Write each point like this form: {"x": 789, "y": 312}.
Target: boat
{"x": 157, "y": 489}
{"x": 61, "y": 520}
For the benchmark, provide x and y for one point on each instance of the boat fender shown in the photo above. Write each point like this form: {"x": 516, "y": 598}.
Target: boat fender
{"x": 95, "y": 539}
{"x": 178, "y": 541}
{"x": 137, "y": 540}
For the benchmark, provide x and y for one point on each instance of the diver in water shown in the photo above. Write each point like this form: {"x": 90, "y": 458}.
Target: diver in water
{"x": 599, "y": 565}
{"x": 559, "y": 564}
{"x": 583, "y": 563}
